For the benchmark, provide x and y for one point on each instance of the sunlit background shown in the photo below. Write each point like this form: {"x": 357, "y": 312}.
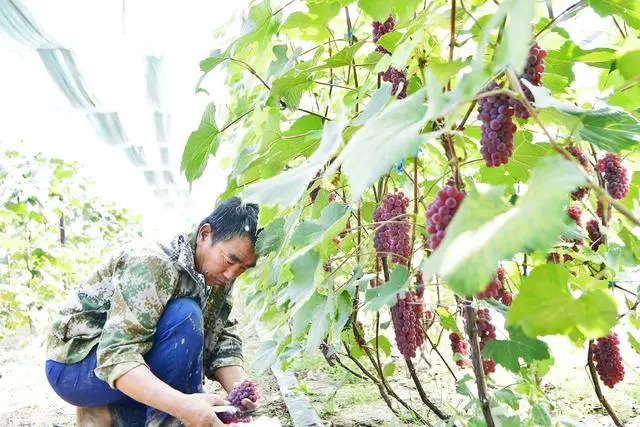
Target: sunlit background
{"x": 112, "y": 85}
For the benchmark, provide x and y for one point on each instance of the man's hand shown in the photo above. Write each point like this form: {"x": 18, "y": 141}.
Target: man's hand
{"x": 248, "y": 405}
{"x": 196, "y": 410}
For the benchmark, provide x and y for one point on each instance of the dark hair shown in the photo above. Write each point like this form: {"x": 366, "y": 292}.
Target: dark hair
{"x": 232, "y": 218}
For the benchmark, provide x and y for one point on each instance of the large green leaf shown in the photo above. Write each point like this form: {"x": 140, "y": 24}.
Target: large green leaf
{"x": 311, "y": 232}
{"x": 289, "y": 88}
{"x": 609, "y": 129}
{"x": 306, "y": 313}
{"x": 305, "y": 27}
{"x": 629, "y": 10}
{"x": 340, "y": 59}
{"x": 384, "y": 141}
{"x": 380, "y": 10}
{"x": 485, "y": 230}
{"x": 201, "y": 144}
{"x": 304, "y": 271}
{"x": 385, "y": 295}
{"x": 213, "y": 61}
{"x": 509, "y": 352}
{"x": 320, "y": 323}
{"x": 271, "y": 237}
{"x": 545, "y": 306}
{"x": 287, "y": 187}
{"x": 260, "y": 26}
{"x": 627, "y": 64}
{"x": 513, "y": 49}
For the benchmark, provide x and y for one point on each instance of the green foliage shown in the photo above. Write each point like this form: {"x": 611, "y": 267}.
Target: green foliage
{"x": 53, "y": 230}
{"x": 320, "y": 139}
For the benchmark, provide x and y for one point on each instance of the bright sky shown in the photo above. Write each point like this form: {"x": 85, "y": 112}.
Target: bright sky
{"x": 110, "y": 40}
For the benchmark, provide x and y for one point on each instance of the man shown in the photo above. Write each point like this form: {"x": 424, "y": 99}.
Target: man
{"x": 130, "y": 346}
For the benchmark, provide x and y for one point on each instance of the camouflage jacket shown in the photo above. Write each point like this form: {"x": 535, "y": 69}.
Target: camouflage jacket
{"x": 120, "y": 303}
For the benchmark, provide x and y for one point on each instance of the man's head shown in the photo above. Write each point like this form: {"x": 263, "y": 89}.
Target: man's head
{"x": 225, "y": 245}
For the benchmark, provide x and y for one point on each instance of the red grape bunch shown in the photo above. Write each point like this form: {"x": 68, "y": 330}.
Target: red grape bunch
{"x": 600, "y": 213}
{"x": 576, "y": 152}
{"x": 393, "y": 237}
{"x": 533, "y": 73}
{"x": 593, "y": 230}
{"x": 440, "y": 212}
{"x": 247, "y": 389}
{"x": 398, "y": 80}
{"x": 496, "y": 289}
{"x": 406, "y": 315}
{"x": 606, "y": 356}
{"x": 615, "y": 175}
{"x": 380, "y": 29}
{"x": 496, "y": 139}
{"x": 460, "y": 347}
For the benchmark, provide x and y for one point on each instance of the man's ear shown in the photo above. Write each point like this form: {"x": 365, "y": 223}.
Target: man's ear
{"x": 205, "y": 232}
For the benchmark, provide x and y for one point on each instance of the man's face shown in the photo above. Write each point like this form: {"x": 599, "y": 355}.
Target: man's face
{"x": 223, "y": 261}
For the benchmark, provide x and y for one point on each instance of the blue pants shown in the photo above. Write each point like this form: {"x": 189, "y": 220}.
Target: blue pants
{"x": 175, "y": 358}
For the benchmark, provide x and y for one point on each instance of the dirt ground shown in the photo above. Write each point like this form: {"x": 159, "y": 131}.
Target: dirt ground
{"x": 339, "y": 399}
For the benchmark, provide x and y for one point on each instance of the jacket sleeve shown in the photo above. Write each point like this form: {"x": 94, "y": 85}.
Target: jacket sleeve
{"x": 143, "y": 284}
{"x": 223, "y": 345}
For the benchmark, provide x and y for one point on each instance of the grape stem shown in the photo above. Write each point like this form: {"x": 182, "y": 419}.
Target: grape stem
{"x": 597, "y": 389}
{"x": 600, "y": 193}
{"x": 476, "y": 359}
{"x": 435, "y": 348}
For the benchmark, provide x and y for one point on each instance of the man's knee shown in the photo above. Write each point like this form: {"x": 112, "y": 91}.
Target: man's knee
{"x": 182, "y": 316}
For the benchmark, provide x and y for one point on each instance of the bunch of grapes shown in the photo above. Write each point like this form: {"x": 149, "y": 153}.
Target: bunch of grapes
{"x": 393, "y": 237}
{"x": 606, "y": 355}
{"x": 615, "y": 175}
{"x": 600, "y": 212}
{"x": 533, "y": 73}
{"x": 496, "y": 115}
{"x": 406, "y": 315}
{"x": 486, "y": 330}
{"x": 593, "y": 230}
{"x": 461, "y": 347}
{"x": 496, "y": 289}
{"x": 489, "y": 366}
{"x": 398, "y": 81}
{"x": 576, "y": 152}
{"x": 575, "y": 213}
{"x": 440, "y": 212}
{"x": 380, "y": 29}
{"x": 314, "y": 193}
{"x": 247, "y": 389}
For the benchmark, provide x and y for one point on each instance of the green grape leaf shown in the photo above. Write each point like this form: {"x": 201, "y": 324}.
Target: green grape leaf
{"x": 508, "y": 352}
{"x": 389, "y": 369}
{"x": 320, "y": 324}
{"x": 627, "y": 10}
{"x": 608, "y": 129}
{"x": 305, "y": 27}
{"x": 310, "y": 232}
{"x": 342, "y": 314}
{"x": 545, "y": 306}
{"x": 509, "y": 397}
{"x": 304, "y": 270}
{"x": 306, "y": 313}
{"x": 375, "y": 104}
{"x": 289, "y": 88}
{"x": 385, "y": 295}
{"x": 260, "y": 26}
{"x": 379, "y": 11}
{"x": 271, "y": 237}
{"x": 401, "y": 123}
{"x": 287, "y": 187}
{"x": 201, "y": 144}
{"x": 448, "y": 321}
{"x": 513, "y": 49}
{"x": 485, "y": 230}
{"x": 635, "y": 344}
{"x": 213, "y": 61}
{"x": 266, "y": 355}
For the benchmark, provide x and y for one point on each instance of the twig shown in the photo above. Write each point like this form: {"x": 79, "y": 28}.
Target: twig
{"x": 348, "y": 369}
{"x": 423, "y": 395}
{"x": 633, "y": 307}
{"x": 549, "y": 8}
{"x": 415, "y": 207}
{"x": 478, "y": 370}
{"x": 596, "y": 387}
{"x": 334, "y": 85}
{"x": 353, "y": 60}
{"x": 576, "y": 6}
{"x": 280, "y": 10}
{"x": 365, "y": 371}
{"x": 619, "y": 29}
{"x": 434, "y": 347}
